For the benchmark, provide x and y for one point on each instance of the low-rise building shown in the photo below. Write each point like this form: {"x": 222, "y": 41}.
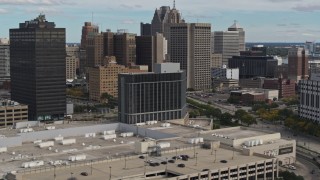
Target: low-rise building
{"x": 249, "y": 96}
{"x": 12, "y": 112}
{"x": 286, "y": 87}
{"x": 252, "y": 82}
{"x": 104, "y": 79}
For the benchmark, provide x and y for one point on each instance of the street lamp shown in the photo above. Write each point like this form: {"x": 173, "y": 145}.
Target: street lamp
{"x": 215, "y": 155}
{"x": 232, "y": 153}
{"x": 166, "y": 166}
{"x": 176, "y": 153}
{"x": 196, "y": 159}
{"x": 54, "y": 173}
{"x": 110, "y": 173}
{"x": 194, "y": 150}
{"x": 91, "y": 166}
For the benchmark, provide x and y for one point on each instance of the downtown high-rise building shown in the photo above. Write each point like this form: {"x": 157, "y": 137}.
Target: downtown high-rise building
{"x": 145, "y": 29}
{"x": 124, "y": 47}
{"x": 163, "y": 16}
{"x": 229, "y": 43}
{"x": 88, "y": 28}
{"x": 38, "y": 68}
{"x": 190, "y": 46}
{"x": 298, "y": 65}
{"x": 4, "y": 60}
{"x": 151, "y": 50}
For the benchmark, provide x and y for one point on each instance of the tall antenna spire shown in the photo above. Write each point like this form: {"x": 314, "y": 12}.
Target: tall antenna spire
{"x": 174, "y": 4}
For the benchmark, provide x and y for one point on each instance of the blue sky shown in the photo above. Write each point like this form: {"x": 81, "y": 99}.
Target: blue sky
{"x": 263, "y": 20}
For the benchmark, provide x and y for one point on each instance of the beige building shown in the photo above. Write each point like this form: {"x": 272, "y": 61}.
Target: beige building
{"x": 190, "y": 46}
{"x": 71, "y": 67}
{"x": 104, "y": 79}
{"x": 229, "y": 43}
{"x": 216, "y": 60}
{"x": 12, "y": 112}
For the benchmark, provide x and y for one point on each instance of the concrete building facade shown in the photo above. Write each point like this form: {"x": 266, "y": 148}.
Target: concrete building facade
{"x": 190, "y": 46}
{"x": 309, "y": 97}
{"x": 4, "y": 60}
{"x": 216, "y": 61}
{"x": 104, "y": 78}
{"x": 152, "y": 96}
{"x": 228, "y": 43}
{"x": 12, "y": 112}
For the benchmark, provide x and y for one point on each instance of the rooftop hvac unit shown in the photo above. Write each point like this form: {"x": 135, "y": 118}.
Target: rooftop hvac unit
{"x": 68, "y": 141}
{"x": 46, "y": 144}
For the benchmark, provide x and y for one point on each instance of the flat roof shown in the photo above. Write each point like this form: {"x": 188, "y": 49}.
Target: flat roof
{"x": 135, "y": 167}
{"x": 237, "y": 133}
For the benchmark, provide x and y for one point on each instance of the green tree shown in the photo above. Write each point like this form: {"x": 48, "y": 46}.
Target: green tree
{"x": 226, "y": 119}
{"x": 248, "y": 119}
{"x": 239, "y": 114}
{"x": 286, "y": 175}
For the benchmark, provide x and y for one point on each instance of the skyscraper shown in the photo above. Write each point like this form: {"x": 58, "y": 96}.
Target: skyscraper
{"x": 94, "y": 49}
{"x": 298, "y": 64}
{"x": 124, "y": 47}
{"x": 4, "y": 60}
{"x": 145, "y": 29}
{"x": 87, "y": 29}
{"x": 190, "y": 46}
{"x": 236, "y": 27}
{"x": 229, "y": 43}
{"x": 164, "y": 15}
{"x": 38, "y": 68}
{"x": 151, "y": 50}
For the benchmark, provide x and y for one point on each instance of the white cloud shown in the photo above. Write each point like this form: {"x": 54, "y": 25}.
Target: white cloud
{"x": 3, "y": 11}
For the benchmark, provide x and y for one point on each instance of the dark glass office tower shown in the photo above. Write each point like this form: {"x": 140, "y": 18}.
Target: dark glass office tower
{"x": 155, "y": 96}
{"x": 38, "y": 68}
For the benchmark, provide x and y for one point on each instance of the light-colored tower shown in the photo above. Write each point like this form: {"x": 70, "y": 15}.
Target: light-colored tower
{"x": 229, "y": 43}
{"x": 190, "y": 46}
{"x": 4, "y": 60}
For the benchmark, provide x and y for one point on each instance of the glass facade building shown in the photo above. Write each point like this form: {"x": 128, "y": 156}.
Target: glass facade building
{"x": 151, "y": 97}
{"x": 38, "y": 68}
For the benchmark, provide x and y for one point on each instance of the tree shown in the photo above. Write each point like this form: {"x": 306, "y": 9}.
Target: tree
{"x": 248, "y": 119}
{"x": 285, "y": 113}
{"x": 239, "y": 114}
{"x": 226, "y": 118}
{"x": 286, "y": 175}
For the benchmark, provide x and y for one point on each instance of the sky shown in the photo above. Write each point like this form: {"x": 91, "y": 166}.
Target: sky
{"x": 263, "y": 20}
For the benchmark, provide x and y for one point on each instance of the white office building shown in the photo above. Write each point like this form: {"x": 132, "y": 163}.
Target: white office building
{"x": 309, "y": 93}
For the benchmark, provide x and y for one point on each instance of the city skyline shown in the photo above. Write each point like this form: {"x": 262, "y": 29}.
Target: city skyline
{"x": 263, "y": 20}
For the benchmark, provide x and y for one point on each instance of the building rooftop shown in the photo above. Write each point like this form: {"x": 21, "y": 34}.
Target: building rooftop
{"x": 135, "y": 167}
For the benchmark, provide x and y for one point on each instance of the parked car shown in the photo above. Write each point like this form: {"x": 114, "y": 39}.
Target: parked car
{"x": 181, "y": 165}
{"x": 84, "y": 174}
